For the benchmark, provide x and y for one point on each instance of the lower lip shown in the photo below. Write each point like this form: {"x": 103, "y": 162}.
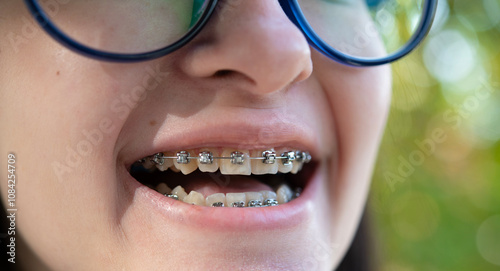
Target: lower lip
{"x": 227, "y": 218}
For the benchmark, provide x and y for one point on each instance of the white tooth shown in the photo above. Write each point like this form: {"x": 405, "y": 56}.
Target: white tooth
{"x": 259, "y": 167}
{"x": 162, "y": 188}
{"x": 180, "y": 192}
{"x": 284, "y": 194}
{"x": 195, "y": 198}
{"x": 186, "y": 168}
{"x": 257, "y": 196}
{"x": 281, "y": 167}
{"x": 268, "y": 195}
{"x": 217, "y": 197}
{"x": 254, "y": 196}
{"x": 235, "y": 197}
{"x": 297, "y": 166}
{"x": 166, "y": 164}
{"x": 174, "y": 169}
{"x": 227, "y": 168}
{"x": 209, "y": 167}
{"x": 148, "y": 164}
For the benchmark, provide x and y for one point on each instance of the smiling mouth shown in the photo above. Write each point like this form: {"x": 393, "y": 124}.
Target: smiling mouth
{"x": 227, "y": 177}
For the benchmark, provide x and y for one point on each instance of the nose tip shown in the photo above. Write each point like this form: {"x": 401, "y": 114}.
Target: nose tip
{"x": 254, "y": 40}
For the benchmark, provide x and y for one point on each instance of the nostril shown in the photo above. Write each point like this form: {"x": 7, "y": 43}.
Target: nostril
{"x": 223, "y": 73}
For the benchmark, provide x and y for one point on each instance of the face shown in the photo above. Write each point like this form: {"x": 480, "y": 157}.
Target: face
{"x": 248, "y": 82}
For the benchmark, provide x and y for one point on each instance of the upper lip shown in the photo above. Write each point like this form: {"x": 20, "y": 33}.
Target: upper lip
{"x": 239, "y": 133}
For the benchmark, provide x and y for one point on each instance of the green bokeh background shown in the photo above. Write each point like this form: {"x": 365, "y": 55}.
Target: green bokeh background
{"x": 438, "y": 208}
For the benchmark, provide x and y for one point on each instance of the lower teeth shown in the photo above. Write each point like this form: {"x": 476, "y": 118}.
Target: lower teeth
{"x": 248, "y": 199}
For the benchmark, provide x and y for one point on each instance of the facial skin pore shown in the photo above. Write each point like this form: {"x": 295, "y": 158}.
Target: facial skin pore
{"x": 251, "y": 65}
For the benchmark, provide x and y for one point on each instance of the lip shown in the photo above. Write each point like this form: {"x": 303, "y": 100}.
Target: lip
{"x": 228, "y": 218}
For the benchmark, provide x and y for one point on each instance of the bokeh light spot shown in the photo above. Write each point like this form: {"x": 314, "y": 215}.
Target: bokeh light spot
{"x": 449, "y": 56}
{"x": 488, "y": 240}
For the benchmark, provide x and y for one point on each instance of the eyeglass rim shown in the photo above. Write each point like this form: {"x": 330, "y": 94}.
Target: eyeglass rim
{"x": 290, "y": 7}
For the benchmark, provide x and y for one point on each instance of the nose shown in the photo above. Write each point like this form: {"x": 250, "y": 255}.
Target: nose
{"x": 252, "y": 42}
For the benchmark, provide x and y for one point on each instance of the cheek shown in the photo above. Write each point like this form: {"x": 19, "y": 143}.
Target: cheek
{"x": 61, "y": 118}
{"x": 359, "y": 98}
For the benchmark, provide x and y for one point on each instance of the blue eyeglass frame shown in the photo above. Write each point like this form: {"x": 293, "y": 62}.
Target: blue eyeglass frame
{"x": 291, "y": 9}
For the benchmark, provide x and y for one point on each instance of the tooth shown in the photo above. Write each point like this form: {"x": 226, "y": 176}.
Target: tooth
{"x": 188, "y": 167}
{"x": 148, "y": 164}
{"x": 283, "y": 166}
{"x": 297, "y": 166}
{"x": 202, "y": 162}
{"x": 269, "y": 198}
{"x": 163, "y": 189}
{"x": 227, "y": 167}
{"x": 195, "y": 198}
{"x": 254, "y": 196}
{"x": 301, "y": 158}
{"x": 254, "y": 199}
{"x": 166, "y": 163}
{"x": 215, "y": 198}
{"x": 259, "y": 167}
{"x": 174, "y": 169}
{"x": 268, "y": 195}
{"x": 236, "y": 199}
{"x": 179, "y": 192}
{"x": 284, "y": 194}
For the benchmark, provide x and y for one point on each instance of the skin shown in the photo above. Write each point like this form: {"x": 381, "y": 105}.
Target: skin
{"x": 250, "y": 62}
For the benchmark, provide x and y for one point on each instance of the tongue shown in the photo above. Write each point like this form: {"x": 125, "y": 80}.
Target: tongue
{"x": 224, "y": 184}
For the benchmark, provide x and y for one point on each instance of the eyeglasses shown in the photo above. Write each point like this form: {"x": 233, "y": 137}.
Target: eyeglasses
{"x": 352, "y": 32}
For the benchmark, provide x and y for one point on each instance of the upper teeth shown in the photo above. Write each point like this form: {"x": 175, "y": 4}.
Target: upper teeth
{"x": 230, "y": 161}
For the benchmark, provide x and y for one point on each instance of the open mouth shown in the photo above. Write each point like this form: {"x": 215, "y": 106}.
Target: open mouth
{"x": 227, "y": 177}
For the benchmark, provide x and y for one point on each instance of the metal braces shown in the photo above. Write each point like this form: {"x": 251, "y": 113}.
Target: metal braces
{"x": 254, "y": 203}
{"x": 251, "y": 203}
{"x": 237, "y": 158}
{"x": 239, "y": 204}
{"x": 270, "y": 202}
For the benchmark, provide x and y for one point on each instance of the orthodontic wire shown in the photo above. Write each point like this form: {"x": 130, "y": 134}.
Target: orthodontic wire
{"x": 183, "y": 157}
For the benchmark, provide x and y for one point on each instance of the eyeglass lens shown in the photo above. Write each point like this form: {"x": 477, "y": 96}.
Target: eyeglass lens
{"x": 125, "y": 26}
{"x": 361, "y": 28}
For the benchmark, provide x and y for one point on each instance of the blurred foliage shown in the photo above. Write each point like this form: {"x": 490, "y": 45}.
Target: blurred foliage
{"x": 435, "y": 201}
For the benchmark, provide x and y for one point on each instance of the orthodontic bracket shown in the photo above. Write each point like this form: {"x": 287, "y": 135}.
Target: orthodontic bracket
{"x": 254, "y": 203}
{"x": 158, "y": 159}
{"x": 183, "y": 157}
{"x": 172, "y": 196}
{"x": 237, "y": 158}
{"x": 239, "y": 204}
{"x": 270, "y": 202}
{"x": 206, "y": 157}
{"x": 290, "y": 157}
